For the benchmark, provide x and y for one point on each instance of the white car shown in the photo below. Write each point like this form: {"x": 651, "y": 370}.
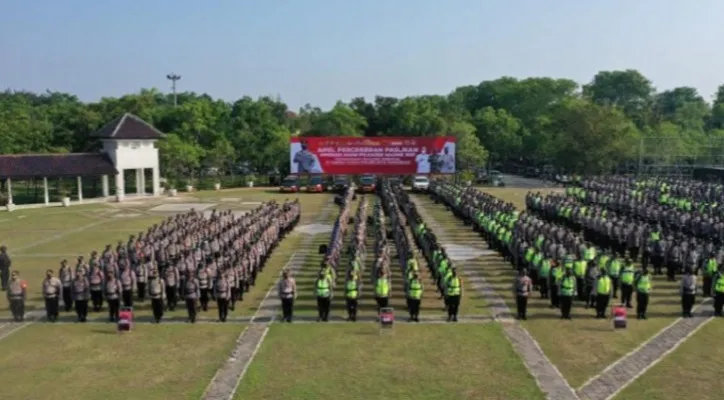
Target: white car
{"x": 420, "y": 184}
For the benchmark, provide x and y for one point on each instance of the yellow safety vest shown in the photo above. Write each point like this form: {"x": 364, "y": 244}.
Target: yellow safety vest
{"x": 351, "y": 289}
{"x": 644, "y": 284}
{"x": 604, "y": 285}
{"x": 323, "y": 288}
{"x": 383, "y": 288}
{"x": 719, "y": 286}
{"x": 453, "y": 287}
{"x": 415, "y": 290}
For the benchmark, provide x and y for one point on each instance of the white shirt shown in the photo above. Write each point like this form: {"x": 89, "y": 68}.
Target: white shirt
{"x": 448, "y": 163}
{"x": 307, "y": 162}
{"x": 423, "y": 163}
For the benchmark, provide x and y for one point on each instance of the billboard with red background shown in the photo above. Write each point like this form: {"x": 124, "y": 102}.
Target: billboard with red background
{"x": 379, "y": 156}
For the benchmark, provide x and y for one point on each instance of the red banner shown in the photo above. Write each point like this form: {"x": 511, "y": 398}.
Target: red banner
{"x": 379, "y": 156}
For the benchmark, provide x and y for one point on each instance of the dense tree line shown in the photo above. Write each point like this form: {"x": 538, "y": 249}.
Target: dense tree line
{"x": 589, "y": 128}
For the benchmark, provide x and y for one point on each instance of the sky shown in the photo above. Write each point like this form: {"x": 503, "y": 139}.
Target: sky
{"x": 321, "y": 51}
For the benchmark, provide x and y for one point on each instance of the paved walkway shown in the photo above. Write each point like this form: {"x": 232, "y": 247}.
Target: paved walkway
{"x": 625, "y": 371}
{"x": 549, "y": 379}
{"x": 224, "y": 384}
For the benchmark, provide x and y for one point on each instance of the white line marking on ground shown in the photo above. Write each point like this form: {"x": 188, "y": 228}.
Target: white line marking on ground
{"x": 666, "y": 353}
{"x": 249, "y": 361}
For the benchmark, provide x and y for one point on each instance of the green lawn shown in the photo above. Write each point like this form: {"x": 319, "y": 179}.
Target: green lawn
{"x": 580, "y": 348}
{"x": 82, "y": 362}
{"x": 318, "y": 362}
{"x": 697, "y": 360}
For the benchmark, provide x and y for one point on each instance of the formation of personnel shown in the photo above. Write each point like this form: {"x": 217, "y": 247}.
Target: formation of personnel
{"x": 186, "y": 257}
{"x": 556, "y": 259}
{"x": 327, "y": 276}
{"x": 413, "y": 285}
{"x": 448, "y": 283}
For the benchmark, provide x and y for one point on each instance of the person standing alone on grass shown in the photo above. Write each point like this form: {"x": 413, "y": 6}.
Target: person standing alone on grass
{"x": 287, "y": 294}
{"x": 81, "y": 294}
{"x": 52, "y": 288}
{"x": 351, "y": 294}
{"x": 17, "y": 294}
{"x": 382, "y": 290}
{"x": 5, "y": 263}
{"x": 688, "y": 292}
{"x": 522, "y": 286}
{"x": 323, "y": 291}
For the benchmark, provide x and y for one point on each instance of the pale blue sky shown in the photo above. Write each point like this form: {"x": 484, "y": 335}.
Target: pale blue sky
{"x": 319, "y": 51}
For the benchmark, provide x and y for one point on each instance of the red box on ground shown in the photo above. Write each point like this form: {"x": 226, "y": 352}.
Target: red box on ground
{"x": 619, "y": 317}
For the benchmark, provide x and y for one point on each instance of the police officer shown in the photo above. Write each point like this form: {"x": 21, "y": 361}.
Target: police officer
{"x": 95, "y": 280}
{"x": 688, "y": 292}
{"x": 17, "y": 294}
{"x": 65, "y": 273}
{"x": 643, "y": 290}
{"x": 157, "y": 294}
{"x": 627, "y": 277}
{"x": 81, "y": 295}
{"x": 192, "y": 293}
{"x": 382, "y": 290}
{"x": 566, "y": 292}
{"x": 323, "y": 291}
{"x": 171, "y": 278}
{"x": 414, "y": 297}
{"x": 128, "y": 284}
{"x": 522, "y": 286}
{"x": 112, "y": 290}
{"x": 222, "y": 292}
{"x": 453, "y": 293}
{"x": 717, "y": 291}
{"x": 351, "y": 294}
{"x": 711, "y": 268}
{"x": 52, "y": 289}
{"x": 602, "y": 291}
{"x": 287, "y": 294}
{"x": 5, "y": 264}
{"x": 204, "y": 278}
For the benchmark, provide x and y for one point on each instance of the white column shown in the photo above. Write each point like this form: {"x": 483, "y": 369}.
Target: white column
{"x": 120, "y": 184}
{"x": 156, "y": 182}
{"x": 46, "y": 196}
{"x": 10, "y": 191}
{"x": 80, "y": 189}
{"x": 142, "y": 174}
{"x": 139, "y": 189}
{"x": 104, "y": 184}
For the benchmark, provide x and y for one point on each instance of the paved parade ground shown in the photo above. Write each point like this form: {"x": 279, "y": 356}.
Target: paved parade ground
{"x": 486, "y": 355}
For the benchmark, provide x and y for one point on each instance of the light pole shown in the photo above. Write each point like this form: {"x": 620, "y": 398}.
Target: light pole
{"x": 173, "y": 78}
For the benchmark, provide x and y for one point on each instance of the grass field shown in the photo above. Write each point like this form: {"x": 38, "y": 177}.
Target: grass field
{"x": 316, "y": 362}
{"x": 580, "y": 348}
{"x": 53, "y": 362}
{"x": 697, "y": 360}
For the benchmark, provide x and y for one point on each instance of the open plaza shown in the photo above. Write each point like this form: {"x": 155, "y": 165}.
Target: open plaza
{"x": 485, "y": 355}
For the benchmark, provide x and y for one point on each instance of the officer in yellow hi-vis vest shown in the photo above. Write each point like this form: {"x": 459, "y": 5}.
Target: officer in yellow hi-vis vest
{"x": 718, "y": 292}
{"x": 643, "y": 290}
{"x": 382, "y": 290}
{"x": 453, "y": 293}
{"x": 566, "y": 292}
{"x": 351, "y": 294}
{"x": 323, "y": 291}
{"x": 602, "y": 290}
{"x": 414, "y": 297}
{"x": 711, "y": 268}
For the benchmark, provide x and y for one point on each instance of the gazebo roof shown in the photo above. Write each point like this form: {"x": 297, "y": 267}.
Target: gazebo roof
{"x": 55, "y": 165}
{"x": 128, "y": 126}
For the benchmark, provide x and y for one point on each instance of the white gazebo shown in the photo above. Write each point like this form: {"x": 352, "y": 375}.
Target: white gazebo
{"x": 129, "y": 143}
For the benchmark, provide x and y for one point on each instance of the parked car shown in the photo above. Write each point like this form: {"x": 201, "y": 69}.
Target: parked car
{"x": 420, "y": 184}
{"x": 340, "y": 183}
{"x": 367, "y": 184}
{"x": 316, "y": 184}
{"x": 290, "y": 184}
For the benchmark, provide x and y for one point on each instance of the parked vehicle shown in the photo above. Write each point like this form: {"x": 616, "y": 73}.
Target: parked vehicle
{"x": 367, "y": 184}
{"x": 340, "y": 183}
{"x": 290, "y": 184}
{"x": 420, "y": 184}
{"x": 316, "y": 184}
